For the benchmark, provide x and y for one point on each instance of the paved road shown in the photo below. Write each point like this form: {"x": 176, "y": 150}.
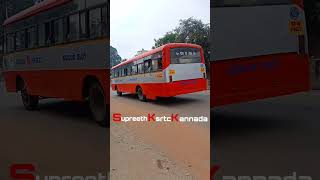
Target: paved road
{"x": 274, "y": 137}
{"x": 60, "y": 138}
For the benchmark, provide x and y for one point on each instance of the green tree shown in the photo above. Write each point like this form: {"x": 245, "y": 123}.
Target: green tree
{"x": 190, "y": 30}
{"x": 169, "y": 37}
{"x": 115, "y": 58}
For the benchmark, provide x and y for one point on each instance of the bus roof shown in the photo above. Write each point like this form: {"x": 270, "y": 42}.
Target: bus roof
{"x": 153, "y": 51}
{"x": 35, "y": 9}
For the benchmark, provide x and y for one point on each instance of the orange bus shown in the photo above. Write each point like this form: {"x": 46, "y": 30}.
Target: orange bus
{"x": 170, "y": 70}
{"x": 58, "y": 49}
{"x": 259, "y": 50}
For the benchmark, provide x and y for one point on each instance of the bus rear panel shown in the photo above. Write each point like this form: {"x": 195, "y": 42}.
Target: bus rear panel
{"x": 259, "y": 51}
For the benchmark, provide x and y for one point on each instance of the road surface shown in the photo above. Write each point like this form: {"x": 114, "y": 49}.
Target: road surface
{"x": 183, "y": 148}
{"x": 59, "y": 139}
{"x": 274, "y": 137}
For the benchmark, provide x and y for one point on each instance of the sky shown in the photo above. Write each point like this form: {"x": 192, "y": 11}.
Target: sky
{"x": 134, "y": 24}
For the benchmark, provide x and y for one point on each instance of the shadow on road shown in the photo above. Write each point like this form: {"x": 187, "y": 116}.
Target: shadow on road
{"x": 55, "y": 108}
{"x": 225, "y": 123}
{"x": 174, "y": 101}
{"x": 67, "y": 108}
{"x": 78, "y": 112}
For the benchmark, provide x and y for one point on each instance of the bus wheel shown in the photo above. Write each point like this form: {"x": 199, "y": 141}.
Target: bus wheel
{"x": 140, "y": 94}
{"x": 119, "y": 93}
{"x": 98, "y": 105}
{"x": 30, "y": 102}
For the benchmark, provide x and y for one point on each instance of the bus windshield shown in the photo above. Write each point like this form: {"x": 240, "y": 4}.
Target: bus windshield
{"x": 185, "y": 55}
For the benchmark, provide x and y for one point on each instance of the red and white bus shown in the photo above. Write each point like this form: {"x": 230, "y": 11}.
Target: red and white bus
{"x": 259, "y": 50}
{"x": 170, "y": 70}
{"x": 58, "y": 49}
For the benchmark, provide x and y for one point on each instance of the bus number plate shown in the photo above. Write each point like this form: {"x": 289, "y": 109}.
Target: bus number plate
{"x": 296, "y": 27}
{"x": 172, "y": 72}
{"x": 202, "y": 70}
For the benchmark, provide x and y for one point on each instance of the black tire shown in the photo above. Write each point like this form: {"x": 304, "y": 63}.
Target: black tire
{"x": 98, "y": 105}
{"x": 140, "y": 94}
{"x": 30, "y": 102}
{"x": 119, "y": 93}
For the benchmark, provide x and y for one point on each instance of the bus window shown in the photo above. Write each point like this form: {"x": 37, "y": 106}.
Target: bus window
{"x": 104, "y": 21}
{"x": 10, "y": 42}
{"x": 95, "y": 22}
{"x": 65, "y": 22}
{"x": 74, "y": 27}
{"x": 83, "y": 25}
{"x": 140, "y": 68}
{"x": 48, "y": 33}
{"x": 58, "y": 31}
{"x": 124, "y": 71}
{"x": 185, "y": 55}
{"x": 129, "y": 70}
{"x": 32, "y": 37}
{"x": 42, "y": 35}
{"x": 20, "y": 40}
{"x": 147, "y": 66}
{"x": 156, "y": 64}
{"x": 134, "y": 69}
